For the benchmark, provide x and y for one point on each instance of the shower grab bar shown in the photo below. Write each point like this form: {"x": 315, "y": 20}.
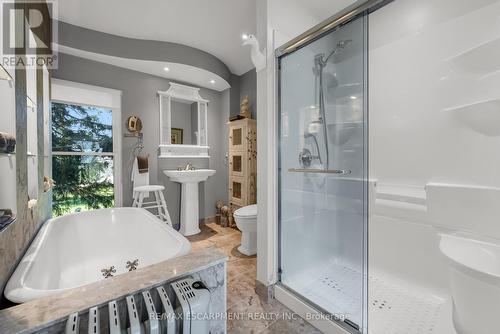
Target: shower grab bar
{"x": 320, "y": 171}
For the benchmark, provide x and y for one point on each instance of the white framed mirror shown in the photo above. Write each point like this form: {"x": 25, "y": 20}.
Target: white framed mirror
{"x": 183, "y": 122}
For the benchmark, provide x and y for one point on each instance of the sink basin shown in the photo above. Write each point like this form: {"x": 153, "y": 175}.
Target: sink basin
{"x": 184, "y": 176}
{"x": 189, "y": 180}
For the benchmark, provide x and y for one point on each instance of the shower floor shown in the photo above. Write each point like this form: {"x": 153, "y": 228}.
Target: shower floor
{"x": 395, "y": 307}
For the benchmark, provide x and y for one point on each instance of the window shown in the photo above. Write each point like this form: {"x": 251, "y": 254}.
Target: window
{"x": 85, "y": 146}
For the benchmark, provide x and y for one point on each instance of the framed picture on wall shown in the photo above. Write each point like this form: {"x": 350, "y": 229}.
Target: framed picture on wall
{"x": 176, "y": 135}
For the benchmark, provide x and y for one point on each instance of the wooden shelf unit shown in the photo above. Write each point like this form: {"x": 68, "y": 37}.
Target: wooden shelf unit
{"x": 242, "y": 163}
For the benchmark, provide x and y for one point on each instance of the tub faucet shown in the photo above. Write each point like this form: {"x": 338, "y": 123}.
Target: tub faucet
{"x": 132, "y": 265}
{"x": 108, "y": 272}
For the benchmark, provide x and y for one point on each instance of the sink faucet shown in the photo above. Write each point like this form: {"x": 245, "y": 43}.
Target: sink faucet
{"x": 189, "y": 166}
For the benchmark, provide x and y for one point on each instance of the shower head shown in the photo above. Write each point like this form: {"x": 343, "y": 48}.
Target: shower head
{"x": 344, "y": 43}
{"x": 320, "y": 58}
{"x": 341, "y": 45}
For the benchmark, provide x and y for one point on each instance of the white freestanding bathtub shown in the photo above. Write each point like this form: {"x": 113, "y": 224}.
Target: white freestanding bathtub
{"x": 71, "y": 250}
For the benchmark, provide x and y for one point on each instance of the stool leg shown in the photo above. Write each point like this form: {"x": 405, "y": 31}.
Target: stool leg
{"x": 134, "y": 195}
{"x": 165, "y": 209}
{"x": 158, "y": 205}
{"x": 141, "y": 199}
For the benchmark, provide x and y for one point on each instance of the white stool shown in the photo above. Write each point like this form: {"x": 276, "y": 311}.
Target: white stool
{"x": 142, "y": 189}
{"x": 159, "y": 203}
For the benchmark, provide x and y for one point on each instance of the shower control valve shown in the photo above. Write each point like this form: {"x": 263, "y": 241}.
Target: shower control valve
{"x": 305, "y": 158}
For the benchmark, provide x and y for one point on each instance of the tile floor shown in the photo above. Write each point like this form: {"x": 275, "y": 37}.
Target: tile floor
{"x": 247, "y": 313}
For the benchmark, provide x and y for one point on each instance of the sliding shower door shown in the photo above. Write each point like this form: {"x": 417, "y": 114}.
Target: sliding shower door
{"x": 323, "y": 173}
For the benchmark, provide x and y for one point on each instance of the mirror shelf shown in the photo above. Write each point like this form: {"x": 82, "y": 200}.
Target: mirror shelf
{"x": 183, "y": 151}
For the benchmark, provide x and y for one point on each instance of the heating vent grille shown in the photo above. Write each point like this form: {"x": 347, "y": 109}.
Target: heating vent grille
{"x": 131, "y": 315}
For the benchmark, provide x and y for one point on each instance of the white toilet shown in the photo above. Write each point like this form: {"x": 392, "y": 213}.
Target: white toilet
{"x": 246, "y": 220}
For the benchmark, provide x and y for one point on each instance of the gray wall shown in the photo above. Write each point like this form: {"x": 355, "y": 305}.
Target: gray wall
{"x": 245, "y": 84}
{"x": 140, "y": 98}
{"x": 235, "y": 95}
{"x": 248, "y": 86}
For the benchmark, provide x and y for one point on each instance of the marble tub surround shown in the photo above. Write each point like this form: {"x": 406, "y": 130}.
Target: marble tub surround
{"x": 243, "y": 303}
{"x": 17, "y": 236}
{"x": 51, "y": 312}
{"x": 22, "y": 172}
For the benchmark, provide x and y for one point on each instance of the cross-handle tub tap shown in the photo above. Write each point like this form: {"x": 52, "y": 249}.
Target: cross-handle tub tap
{"x": 132, "y": 265}
{"x": 108, "y": 272}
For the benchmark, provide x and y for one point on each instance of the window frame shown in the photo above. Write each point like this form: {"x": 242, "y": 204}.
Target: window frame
{"x": 73, "y": 93}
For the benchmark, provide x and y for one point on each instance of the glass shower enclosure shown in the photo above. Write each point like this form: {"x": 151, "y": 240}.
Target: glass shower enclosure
{"x": 323, "y": 173}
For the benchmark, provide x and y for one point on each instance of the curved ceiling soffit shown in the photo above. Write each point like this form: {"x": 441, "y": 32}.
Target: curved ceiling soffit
{"x": 112, "y": 45}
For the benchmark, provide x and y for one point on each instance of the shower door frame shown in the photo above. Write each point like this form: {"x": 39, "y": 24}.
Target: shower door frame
{"x": 295, "y": 301}
{"x": 345, "y": 326}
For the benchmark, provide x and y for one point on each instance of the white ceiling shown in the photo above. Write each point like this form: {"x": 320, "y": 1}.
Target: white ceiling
{"x": 214, "y": 26}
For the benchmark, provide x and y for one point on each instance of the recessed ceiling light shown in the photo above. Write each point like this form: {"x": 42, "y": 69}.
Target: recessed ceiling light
{"x": 166, "y": 69}
{"x": 353, "y": 97}
{"x": 212, "y": 81}
{"x": 244, "y": 37}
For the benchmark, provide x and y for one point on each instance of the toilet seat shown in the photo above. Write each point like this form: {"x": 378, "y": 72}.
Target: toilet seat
{"x": 246, "y": 212}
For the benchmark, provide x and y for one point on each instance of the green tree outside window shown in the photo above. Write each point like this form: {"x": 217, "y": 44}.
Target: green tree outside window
{"x": 83, "y": 182}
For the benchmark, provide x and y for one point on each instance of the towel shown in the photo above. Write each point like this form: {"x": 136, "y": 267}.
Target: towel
{"x": 7, "y": 143}
{"x": 139, "y": 179}
{"x": 143, "y": 163}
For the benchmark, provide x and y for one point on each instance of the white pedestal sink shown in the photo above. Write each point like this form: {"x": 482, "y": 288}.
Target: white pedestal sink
{"x": 189, "y": 180}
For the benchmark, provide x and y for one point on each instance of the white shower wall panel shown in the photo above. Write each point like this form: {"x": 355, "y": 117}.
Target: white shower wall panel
{"x": 434, "y": 131}
{"x": 414, "y": 82}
